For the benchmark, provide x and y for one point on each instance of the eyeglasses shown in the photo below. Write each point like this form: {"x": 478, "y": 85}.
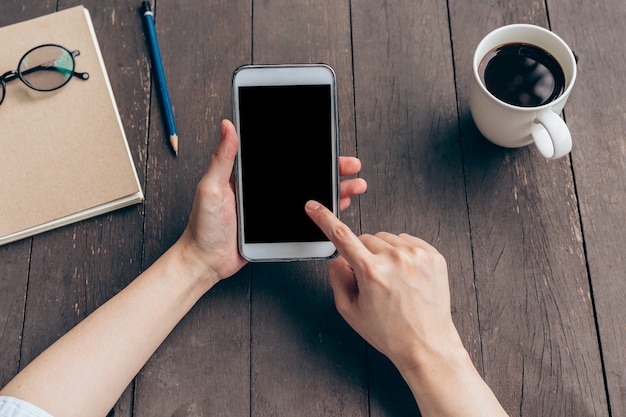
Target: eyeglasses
{"x": 44, "y": 68}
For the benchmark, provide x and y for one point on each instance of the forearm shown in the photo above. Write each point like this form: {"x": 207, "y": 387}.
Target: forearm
{"x": 447, "y": 384}
{"x": 87, "y": 370}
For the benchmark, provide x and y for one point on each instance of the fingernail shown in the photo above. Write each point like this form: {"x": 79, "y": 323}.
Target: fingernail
{"x": 312, "y": 205}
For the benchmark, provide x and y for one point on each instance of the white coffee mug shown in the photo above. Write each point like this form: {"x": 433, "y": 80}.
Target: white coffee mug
{"x": 514, "y": 126}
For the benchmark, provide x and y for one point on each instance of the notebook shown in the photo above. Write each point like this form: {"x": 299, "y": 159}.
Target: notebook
{"x": 64, "y": 156}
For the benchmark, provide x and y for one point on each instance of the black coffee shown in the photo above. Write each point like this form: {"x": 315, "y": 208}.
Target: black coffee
{"x": 522, "y": 75}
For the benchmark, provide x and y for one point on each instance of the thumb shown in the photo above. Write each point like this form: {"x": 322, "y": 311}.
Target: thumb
{"x": 221, "y": 166}
{"x": 344, "y": 284}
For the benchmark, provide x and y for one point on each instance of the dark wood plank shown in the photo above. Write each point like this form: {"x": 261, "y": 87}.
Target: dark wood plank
{"x": 409, "y": 142}
{"x": 539, "y": 342}
{"x": 14, "y": 261}
{"x": 595, "y": 113}
{"x": 14, "y": 11}
{"x": 305, "y": 359}
{"x": 77, "y": 268}
{"x": 203, "y": 367}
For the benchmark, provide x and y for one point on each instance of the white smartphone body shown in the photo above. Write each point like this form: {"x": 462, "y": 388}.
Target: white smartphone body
{"x": 286, "y": 119}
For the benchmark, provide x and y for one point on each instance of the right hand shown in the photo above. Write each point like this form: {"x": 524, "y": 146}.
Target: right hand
{"x": 392, "y": 289}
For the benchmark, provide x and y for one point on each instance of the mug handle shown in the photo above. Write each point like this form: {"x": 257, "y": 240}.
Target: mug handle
{"x": 551, "y": 135}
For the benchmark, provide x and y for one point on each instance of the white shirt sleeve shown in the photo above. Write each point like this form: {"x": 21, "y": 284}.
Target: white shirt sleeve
{"x": 13, "y": 407}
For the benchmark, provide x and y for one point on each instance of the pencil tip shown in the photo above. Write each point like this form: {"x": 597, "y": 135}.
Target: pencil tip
{"x": 174, "y": 143}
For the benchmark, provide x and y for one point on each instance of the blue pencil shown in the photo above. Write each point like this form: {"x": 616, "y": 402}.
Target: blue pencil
{"x": 157, "y": 64}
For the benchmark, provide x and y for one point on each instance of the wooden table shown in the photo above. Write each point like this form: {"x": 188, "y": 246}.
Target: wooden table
{"x": 536, "y": 249}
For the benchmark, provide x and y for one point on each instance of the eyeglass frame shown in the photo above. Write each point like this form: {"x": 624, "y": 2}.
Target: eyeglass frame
{"x": 17, "y": 74}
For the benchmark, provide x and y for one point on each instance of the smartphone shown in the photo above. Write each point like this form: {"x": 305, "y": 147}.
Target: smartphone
{"x": 286, "y": 119}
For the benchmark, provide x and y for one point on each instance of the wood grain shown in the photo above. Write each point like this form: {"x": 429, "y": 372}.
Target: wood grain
{"x": 408, "y": 138}
{"x": 13, "y": 286}
{"x": 539, "y": 341}
{"x": 596, "y": 114}
{"x": 203, "y": 368}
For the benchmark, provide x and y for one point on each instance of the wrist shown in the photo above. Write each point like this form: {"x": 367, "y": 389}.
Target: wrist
{"x": 429, "y": 361}
{"x": 449, "y": 369}
{"x": 437, "y": 361}
{"x": 192, "y": 266}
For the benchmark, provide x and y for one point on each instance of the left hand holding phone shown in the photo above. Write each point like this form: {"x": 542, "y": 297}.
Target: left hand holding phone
{"x": 210, "y": 238}
{"x": 85, "y": 372}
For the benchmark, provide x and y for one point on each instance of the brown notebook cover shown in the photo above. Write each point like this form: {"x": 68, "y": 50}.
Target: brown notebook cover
{"x": 64, "y": 156}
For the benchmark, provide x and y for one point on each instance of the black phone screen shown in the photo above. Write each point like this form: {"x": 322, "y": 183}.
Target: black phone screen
{"x": 286, "y": 153}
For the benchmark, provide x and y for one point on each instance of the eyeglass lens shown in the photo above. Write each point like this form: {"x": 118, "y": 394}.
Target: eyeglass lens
{"x": 46, "y": 67}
